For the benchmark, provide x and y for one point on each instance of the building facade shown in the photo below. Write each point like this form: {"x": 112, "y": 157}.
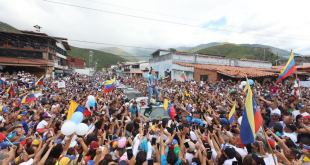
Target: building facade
{"x": 163, "y": 60}
{"x": 75, "y": 63}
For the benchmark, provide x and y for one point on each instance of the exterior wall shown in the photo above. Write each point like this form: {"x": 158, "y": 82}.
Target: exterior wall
{"x": 218, "y": 61}
{"x": 161, "y": 67}
{"x": 144, "y": 65}
{"x": 212, "y": 75}
{"x": 78, "y": 62}
{"x": 178, "y": 69}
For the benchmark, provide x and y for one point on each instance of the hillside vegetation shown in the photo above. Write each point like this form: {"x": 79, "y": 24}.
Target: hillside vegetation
{"x": 104, "y": 59}
{"x": 7, "y": 27}
{"x": 228, "y": 50}
{"x": 120, "y": 52}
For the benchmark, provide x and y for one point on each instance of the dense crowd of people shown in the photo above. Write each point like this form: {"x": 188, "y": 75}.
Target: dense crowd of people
{"x": 199, "y": 134}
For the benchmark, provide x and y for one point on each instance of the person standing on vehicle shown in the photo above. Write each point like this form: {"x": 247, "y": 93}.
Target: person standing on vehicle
{"x": 152, "y": 80}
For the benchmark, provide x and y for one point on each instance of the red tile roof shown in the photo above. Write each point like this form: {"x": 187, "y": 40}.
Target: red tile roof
{"x": 232, "y": 71}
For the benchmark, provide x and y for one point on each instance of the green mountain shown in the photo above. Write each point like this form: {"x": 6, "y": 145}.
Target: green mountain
{"x": 7, "y": 27}
{"x": 104, "y": 59}
{"x": 228, "y": 50}
{"x": 120, "y": 52}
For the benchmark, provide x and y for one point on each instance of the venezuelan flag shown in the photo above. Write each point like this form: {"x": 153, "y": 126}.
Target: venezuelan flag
{"x": 257, "y": 115}
{"x": 169, "y": 108}
{"x": 247, "y": 129}
{"x": 74, "y": 107}
{"x": 288, "y": 69}
{"x": 39, "y": 82}
{"x": 183, "y": 76}
{"x": 25, "y": 98}
{"x": 109, "y": 86}
{"x": 232, "y": 115}
{"x": 96, "y": 106}
{"x": 167, "y": 78}
{"x": 54, "y": 83}
{"x": 11, "y": 90}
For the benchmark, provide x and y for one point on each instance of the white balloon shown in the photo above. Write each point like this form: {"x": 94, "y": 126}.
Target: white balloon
{"x": 68, "y": 128}
{"x": 81, "y": 129}
{"x": 90, "y": 97}
{"x": 243, "y": 83}
{"x": 240, "y": 120}
{"x": 240, "y": 86}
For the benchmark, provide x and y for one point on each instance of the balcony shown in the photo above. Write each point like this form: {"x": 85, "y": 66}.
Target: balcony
{"x": 126, "y": 70}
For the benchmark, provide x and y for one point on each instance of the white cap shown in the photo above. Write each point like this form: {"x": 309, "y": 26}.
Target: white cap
{"x": 291, "y": 136}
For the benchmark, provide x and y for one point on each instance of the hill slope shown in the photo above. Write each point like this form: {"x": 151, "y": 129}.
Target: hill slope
{"x": 7, "y": 27}
{"x": 120, "y": 52}
{"x": 104, "y": 59}
{"x": 197, "y": 48}
{"x": 229, "y": 50}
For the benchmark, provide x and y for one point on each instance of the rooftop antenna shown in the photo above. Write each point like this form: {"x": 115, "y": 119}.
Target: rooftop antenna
{"x": 37, "y": 27}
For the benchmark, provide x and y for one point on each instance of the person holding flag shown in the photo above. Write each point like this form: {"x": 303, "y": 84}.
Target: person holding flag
{"x": 152, "y": 79}
{"x": 183, "y": 76}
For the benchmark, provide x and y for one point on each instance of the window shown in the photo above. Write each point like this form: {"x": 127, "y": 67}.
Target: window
{"x": 72, "y": 60}
{"x": 50, "y": 56}
{"x": 204, "y": 77}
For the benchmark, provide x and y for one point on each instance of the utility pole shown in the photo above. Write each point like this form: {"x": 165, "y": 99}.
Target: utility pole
{"x": 90, "y": 60}
{"x": 264, "y": 54}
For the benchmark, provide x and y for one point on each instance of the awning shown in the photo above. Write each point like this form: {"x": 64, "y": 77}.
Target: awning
{"x": 6, "y": 64}
{"x": 61, "y": 68}
{"x": 68, "y": 71}
{"x": 58, "y": 71}
{"x": 137, "y": 72}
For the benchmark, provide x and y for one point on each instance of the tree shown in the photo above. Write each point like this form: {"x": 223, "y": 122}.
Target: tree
{"x": 264, "y": 54}
{"x": 172, "y": 49}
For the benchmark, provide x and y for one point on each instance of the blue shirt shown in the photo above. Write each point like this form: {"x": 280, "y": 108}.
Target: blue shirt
{"x": 25, "y": 126}
{"x": 150, "y": 77}
{"x": 133, "y": 110}
{"x": 163, "y": 160}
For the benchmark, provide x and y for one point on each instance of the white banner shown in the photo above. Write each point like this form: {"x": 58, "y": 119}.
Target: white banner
{"x": 304, "y": 84}
{"x": 61, "y": 84}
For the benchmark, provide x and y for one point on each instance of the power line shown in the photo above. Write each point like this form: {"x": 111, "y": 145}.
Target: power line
{"x": 100, "y": 43}
{"x": 176, "y": 23}
{"x": 173, "y": 16}
{"x": 142, "y": 10}
{"x": 133, "y": 55}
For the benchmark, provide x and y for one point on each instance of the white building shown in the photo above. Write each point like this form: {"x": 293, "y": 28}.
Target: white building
{"x": 60, "y": 60}
{"x": 163, "y": 60}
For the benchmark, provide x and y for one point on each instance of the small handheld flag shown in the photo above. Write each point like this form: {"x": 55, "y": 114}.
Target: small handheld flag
{"x": 183, "y": 76}
{"x": 232, "y": 115}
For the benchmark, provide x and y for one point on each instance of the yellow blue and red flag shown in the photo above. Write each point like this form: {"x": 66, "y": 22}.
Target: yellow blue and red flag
{"x": 251, "y": 118}
{"x": 109, "y": 86}
{"x": 25, "y": 98}
{"x": 39, "y": 82}
{"x": 74, "y": 107}
{"x": 288, "y": 69}
{"x": 169, "y": 108}
{"x": 11, "y": 90}
{"x": 183, "y": 76}
{"x": 54, "y": 83}
{"x": 232, "y": 115}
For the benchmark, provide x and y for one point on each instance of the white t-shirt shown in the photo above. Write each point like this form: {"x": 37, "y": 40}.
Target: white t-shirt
{"x": 229, "y": 161}
{"x": 295, "y": 113}
{"x": 275, "y": 111}
{"x": 189, "y": 157}
{"x": 42, "y": 124}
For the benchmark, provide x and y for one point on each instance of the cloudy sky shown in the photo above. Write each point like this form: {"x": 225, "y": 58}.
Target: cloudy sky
{"x": 166, "y": 23}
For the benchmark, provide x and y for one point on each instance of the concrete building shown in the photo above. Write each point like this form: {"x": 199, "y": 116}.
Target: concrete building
{"x": 33, "y": 52}
{"x": 75, "y": 63}
{"x": 163, "y": 60}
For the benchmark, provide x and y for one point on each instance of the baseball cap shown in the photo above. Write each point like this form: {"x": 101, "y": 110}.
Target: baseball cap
{"x": 35, "y": 142}
{"x": 4, "y": 109}
{"x": 64, "y": 161}
{"x": 258, "y": 160}
{"x": 276, "y": 114}
{"x": 93, "y": 145}
{"x": 291, "y": 136}
{"x": 46, "y": 115}
{"x": 191, "y": 145}
{"x": 306, "y": 117}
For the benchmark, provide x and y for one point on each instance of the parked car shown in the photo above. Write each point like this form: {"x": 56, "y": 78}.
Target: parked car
{"x": 156, "y": 112}
{"x": 132, "y": 94}
{"x": 122, "y": 87}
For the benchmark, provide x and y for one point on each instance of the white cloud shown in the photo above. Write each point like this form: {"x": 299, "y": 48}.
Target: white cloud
{"x": 275, "y": 18}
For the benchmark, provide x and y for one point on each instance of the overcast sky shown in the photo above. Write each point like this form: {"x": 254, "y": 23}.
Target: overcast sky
{"x": 286, "y": 22}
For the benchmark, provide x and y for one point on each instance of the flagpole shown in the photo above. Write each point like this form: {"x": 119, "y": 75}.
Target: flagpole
{"x": 269, "y": 147}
